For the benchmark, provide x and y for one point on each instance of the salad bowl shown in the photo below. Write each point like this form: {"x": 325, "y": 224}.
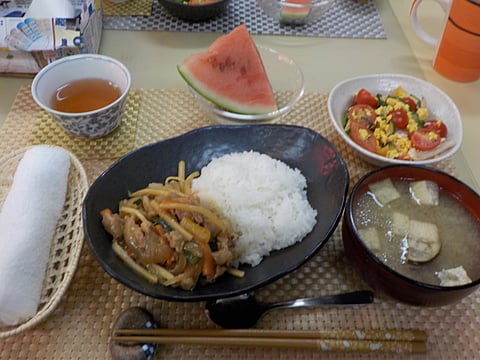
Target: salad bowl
{"x": 439, "y": 105}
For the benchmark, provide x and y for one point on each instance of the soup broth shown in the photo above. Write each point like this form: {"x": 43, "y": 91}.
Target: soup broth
{"x": 84, "y": 95}
{"x": 458, "y": 232}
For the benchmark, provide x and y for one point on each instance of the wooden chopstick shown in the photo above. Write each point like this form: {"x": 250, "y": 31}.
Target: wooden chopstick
{"x": 397, "y": 341}
{"x": 364, "y": 334}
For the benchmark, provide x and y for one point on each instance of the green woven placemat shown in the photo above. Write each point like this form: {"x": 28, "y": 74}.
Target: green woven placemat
{"x": 115, "y": 144}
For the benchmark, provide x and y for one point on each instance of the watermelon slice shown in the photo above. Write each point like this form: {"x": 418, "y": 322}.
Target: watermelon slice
{"x": 231, "y": 74}
{"x": 291, "y": 13}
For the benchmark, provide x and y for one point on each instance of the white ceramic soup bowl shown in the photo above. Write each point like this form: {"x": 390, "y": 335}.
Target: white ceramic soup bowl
{"x": 89, "y": 124}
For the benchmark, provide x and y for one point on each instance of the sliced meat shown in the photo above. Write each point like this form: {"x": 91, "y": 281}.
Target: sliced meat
{"x": 133, "y": 235}
{"x": 112, "y": 223}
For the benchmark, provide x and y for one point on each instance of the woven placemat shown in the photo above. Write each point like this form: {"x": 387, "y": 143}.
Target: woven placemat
{"x": 345, "y": 19}
{"x": 80, "y": 326}
{"x": 128, "y": 8}
{"x": 116, "y": 144}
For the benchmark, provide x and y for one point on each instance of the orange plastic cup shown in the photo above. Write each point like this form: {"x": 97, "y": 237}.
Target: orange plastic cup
{"x": 457, "y": 54}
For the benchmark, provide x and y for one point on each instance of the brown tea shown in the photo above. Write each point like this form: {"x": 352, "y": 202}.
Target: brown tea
{"x": 84, "y": 95}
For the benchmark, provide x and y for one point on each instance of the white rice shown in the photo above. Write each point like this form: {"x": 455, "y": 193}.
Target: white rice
{"x": 264, "y": 199}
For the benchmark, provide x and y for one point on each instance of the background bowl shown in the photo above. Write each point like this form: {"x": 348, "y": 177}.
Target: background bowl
{"x": 287, "y": 82}
{"x": 289, "y": 12}
{"x": 195, "y": 12}
{"x": 380, "y": 276}
{"x": 325, "y": 171}
{"x": 439, "y": 105}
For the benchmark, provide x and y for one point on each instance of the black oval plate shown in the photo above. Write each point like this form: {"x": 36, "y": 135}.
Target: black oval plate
{"x": 318, "y": 160}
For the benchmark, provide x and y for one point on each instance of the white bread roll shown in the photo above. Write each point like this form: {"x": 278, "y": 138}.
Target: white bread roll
{"x": 28, "y": 221}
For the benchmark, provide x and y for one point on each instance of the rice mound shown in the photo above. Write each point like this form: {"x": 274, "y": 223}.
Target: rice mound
{"x": 264, "y": 199}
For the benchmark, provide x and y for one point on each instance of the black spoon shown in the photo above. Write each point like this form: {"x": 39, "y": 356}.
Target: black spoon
{"x": 243, "y": 311}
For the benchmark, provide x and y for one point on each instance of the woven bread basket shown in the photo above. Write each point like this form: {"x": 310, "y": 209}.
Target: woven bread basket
{"x": 66, "y": 244}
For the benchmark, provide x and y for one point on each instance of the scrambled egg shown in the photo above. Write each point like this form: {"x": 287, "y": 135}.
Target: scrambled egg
{"x": 399, "y": 117}
{"x": 394, "y": 143}
{"x": 422, "y": 114}
{"x": 364, "y": 134}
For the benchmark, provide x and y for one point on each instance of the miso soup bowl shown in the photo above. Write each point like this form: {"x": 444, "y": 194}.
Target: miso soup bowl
{"x": 90, "y": 124}
{"x": 379, "y": 275}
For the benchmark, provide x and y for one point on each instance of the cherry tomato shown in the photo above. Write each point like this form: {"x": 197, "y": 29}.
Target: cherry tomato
{"x": 411, "y": 103}
{"x": 422, "y": 140}
{"x": 436, "y": 126}
{"x": 364, "y": 97}
{"x": 362, "y": 113}
{"x": 369, "y": 143}
{"x": 400, "y": 118}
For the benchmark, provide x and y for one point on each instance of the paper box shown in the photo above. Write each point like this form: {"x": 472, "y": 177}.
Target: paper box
{"x": 27, "y": 45}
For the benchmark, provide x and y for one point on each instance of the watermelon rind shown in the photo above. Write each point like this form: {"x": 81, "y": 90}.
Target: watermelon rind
{"x": 219, "y": 101}
{"x": 231, "y": 74}
{"x": 291, "y": 13}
